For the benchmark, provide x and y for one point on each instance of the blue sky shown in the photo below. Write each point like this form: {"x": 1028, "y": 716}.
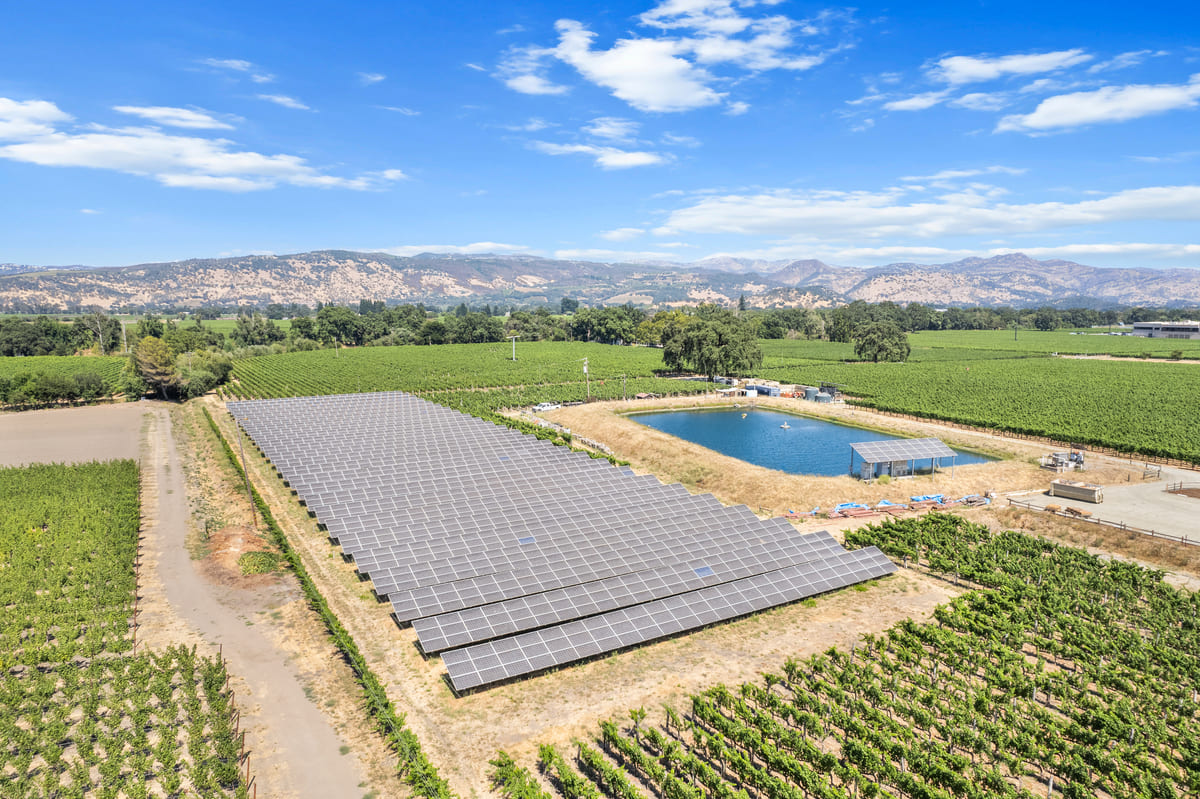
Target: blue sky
{"x": 680, "y": 130}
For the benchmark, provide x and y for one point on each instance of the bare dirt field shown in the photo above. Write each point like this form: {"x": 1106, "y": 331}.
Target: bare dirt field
{"x": 72, "y": 435}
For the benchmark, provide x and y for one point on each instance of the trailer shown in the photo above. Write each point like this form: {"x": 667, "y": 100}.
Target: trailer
{"x": 1073, "y": 489}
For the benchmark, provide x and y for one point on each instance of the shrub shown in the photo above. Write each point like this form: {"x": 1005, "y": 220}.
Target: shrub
{"x": 258, "y": 562}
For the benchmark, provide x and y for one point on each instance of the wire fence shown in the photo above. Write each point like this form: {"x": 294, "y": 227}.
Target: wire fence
{"x": 1067, "y": 514}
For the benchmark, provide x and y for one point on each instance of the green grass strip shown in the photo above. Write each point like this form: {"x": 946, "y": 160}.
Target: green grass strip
{"x": 414, "y": 766}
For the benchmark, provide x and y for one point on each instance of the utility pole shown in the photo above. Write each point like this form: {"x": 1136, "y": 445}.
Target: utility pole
{"x": 514, "y": 341}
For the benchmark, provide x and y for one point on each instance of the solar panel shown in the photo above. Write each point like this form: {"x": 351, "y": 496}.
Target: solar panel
{"x": 527, "y": 653}
{"x": 510, "y": 555}
{"x": 904, "y": 449}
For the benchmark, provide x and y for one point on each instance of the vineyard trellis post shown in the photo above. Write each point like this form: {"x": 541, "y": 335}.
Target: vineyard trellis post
{"x": 514, "y": 347}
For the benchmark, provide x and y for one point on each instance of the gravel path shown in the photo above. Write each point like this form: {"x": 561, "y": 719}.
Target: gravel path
{"x": 295, "y": 751}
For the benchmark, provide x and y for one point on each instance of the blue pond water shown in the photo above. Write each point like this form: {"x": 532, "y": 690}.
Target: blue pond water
{"x": 810, "y": 446}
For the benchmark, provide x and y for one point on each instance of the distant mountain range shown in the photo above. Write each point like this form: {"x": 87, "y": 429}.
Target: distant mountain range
{"x": 333, "y": 276}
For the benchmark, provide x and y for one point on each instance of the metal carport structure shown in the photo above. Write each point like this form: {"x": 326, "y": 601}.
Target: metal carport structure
{"x": 901, "y": 456}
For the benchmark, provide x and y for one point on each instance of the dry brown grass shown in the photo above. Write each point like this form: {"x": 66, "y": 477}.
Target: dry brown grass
{"x": 1156, "y": 552}
{"x": 774, "y": 492}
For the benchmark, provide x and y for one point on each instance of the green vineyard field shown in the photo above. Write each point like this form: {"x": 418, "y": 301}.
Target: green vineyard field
{"x": 1137, "y": 407}
{"x": 1060, "y": 341}
{"x": 80, "y": 713}
{"x": 440, "y": 368}
{"x": 107, "y": 367}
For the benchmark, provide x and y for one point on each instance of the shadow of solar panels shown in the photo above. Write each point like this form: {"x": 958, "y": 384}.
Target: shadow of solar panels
{"x": 510, "y": 555}
{"x": 481, "y": 664}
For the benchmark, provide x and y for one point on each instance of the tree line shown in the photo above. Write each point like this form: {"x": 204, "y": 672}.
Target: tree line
{"x": 182, "y": 357}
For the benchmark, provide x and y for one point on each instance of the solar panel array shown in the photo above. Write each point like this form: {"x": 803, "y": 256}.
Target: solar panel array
{"x": 904, "y": 449}
{"x": 510, "y": 555}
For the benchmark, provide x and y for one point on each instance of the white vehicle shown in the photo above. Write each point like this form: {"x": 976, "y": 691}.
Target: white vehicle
{"x": 546, "y": 406}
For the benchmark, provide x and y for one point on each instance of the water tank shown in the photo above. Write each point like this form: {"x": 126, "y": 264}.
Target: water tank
{"x": 810, "y": 393}
{"x": 823, "y": 397}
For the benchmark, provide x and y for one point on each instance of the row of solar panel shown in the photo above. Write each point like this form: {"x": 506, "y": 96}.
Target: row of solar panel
{"x": 528, "y": 612}
{"x": 545, "y": 573}
{"x": 526, "y": 653}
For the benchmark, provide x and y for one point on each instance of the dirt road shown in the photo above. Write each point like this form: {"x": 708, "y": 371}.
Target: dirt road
{"x": 295, "y": 751}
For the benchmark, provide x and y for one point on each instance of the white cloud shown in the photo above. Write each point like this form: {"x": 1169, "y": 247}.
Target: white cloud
{"x": 606, "y": 157}
{"x": 891, "y": 213}
{"x": 707, "y": 16}
{"x": 22, "y": 119}
{"x": 535, "y": 84}
{"x": 285, "y": 101}
{"x": 737, "y": 108}
{"x": 515, "y": 28}
{"x": 981, "y": 101}
{"x": 1173, "y": 158}
{"x": 1125, "y": 60}
{"x": 1153, "y": 250}
{"x": 239, "y": 65}
{"x": 1049, "y": 85}
{"x": 1108, "y": 104}
{"x": 532, "y": 125}
{"x": 476, "y": 248}
{"x": 236, "y": 64}
{"x": 649, "y": 74}
{"x": 680, "y": 141}
{"x": 369, "y": 78}
{"x": 475, "y": 67}
{"x": 612, "y": 256}
{"x": 623, "y": 233}
{"x": 669, "y": 71}
{"x": 953, "y": 174}
{"x": 523, "y": 70}
{"x": 88, "y": 211}
{"x": 961, "y": 69}
{"x": 175, "y": 117}
{"x": 918, "y": 102}
{"x": 612, "y": 128}
{"x": 863, "y": 256}
{"x": 173, "y": 160}
{"x": 397, "y": 109}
